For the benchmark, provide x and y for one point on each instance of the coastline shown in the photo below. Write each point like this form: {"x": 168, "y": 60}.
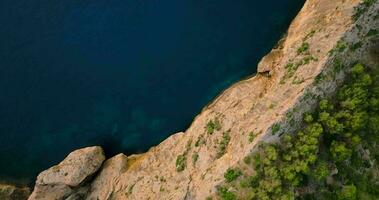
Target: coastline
{"x": 254, "y": 104}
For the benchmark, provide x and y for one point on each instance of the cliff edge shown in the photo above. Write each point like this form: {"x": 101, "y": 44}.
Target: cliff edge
{"x": 190, "y": 164}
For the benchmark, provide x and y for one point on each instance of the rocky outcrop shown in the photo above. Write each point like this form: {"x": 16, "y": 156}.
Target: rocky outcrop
{"x": 10, "y": 192}
{"x": 270, "y": 61}
{"x": 190, "y": 165}
{"x": 67, "y": 178}
{"x": 104, "y": 184}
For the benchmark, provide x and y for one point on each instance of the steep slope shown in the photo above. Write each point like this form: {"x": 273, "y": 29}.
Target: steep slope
{"x": 190, "y": 165}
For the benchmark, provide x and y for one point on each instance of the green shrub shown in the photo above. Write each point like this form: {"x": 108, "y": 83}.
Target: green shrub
{"x": 303, "y": 48}
{"x": 340, "y": 47}
{"x": 358, "y": 69}
{"x": 362, "y": 8}
{"x": 251, "y": 137}
{"x": 275, "y": 128}
{"x": 247, "y": 160}
{"x": 372, "y": 32}
{"x": 321, "y": 171}
{"x": 225, "y": 194}
{"x": 232, "y": 174}
{"x": 340, "y": 151}
{"x": 213, "y": 125}
{"x": 335, "y": 137}
{"x": 200, "y": 140}
{"x": 329, "y": 137}
{"x": 348, "y": 192}
{"x": 181, "y": 162}
{"x": 356, "y": 46}
{"x": 223, "y": 144}
{"x": 308, "y": 118}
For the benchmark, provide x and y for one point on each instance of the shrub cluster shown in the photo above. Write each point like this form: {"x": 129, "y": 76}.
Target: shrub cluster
{"x": 333, "y": 156}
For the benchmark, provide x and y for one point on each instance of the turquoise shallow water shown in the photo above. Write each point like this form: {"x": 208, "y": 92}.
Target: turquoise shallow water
{"x": 119, "y": 73}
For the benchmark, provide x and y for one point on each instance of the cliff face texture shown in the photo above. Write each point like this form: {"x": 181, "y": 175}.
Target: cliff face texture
{"x": 190, "y": 165}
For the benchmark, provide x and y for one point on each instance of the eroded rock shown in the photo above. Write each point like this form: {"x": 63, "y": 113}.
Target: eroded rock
{"x": 270, "y": 61}
{"x": 103, "y": 185}
{"x": 60, "y": 181}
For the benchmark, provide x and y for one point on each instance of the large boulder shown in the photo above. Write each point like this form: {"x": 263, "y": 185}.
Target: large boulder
{"x": 104, "y": 184}
{"x": 62, "y": 180}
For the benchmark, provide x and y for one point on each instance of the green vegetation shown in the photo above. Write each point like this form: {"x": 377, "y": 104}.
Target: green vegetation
{"x": 272, "y": 105}
{"x": 348, "y": 192}
{"x": 275, "y": 128}
{"x": 303, "y": 48}
{"x": 251, "y": 137}
{"x": 181, "y": 160}
{"x": 200, "y": 140}
{"x": 232, "y": 174}
{"x": 340, "y": 47}
{"x": 337, "y": 66}
{"x": 309, "y": 35}
{"x": 334, "y": 155}
{"x": 304, "y": 58}
{"x": 320, "y": 77}
{"x": 362, "y": 8}
{"x": 291, "y": 68}
{"x": 130, "y": 189}
{"x": 162, "y": 179}
{"x": 223, "y": 144}
{"x": 356, "y": 46}
{"x": 296, "y": 80}
{"x": 225, "y": 194}
{"x": 213, "y": 125}
{"x": 195, "y": 157}
{"x": 307, "y": 59}
{"x": 372, "y": 32}
{"x": 308, "y": 118}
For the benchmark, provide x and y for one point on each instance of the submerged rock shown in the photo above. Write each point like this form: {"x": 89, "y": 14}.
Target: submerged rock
{"x": 62, "y": 180}
{"x": 10, "y": 192}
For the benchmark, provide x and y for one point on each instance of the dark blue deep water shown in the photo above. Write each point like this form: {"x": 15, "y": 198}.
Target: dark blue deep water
{"x": 124, "y": 74}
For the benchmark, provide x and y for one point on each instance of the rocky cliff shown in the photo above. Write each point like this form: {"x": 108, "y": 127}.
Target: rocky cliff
{"x": 190, "y": 164}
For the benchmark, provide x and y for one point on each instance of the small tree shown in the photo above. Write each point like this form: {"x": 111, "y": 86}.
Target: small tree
{"x": 339, "y": 151}
{"x": 348, "y": 192}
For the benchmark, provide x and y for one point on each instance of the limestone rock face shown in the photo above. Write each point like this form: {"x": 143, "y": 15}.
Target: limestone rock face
{"x": 60, "y": 181}
{"x": 104, "y": 183}
{"x": 270, "y": 61}
{"x": 56, "y": 191}
{"x": 10, "y": 192}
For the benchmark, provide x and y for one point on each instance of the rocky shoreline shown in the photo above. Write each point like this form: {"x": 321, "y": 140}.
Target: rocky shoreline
{"x": 190, "y": 165}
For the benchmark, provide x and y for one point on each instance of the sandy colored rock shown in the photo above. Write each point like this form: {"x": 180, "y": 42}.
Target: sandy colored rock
{"x": 59, "y": 182}
{"x": 110, "y": 172}
{"x": 49, "y": 192}
{"x": 77, "y": 166}
{"x": 270, "y": 61}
